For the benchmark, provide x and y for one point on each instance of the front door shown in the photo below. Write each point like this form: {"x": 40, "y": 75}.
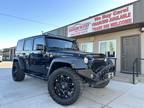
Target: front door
{"x": 37, "y": 59}
{"x": 129, "y": 52}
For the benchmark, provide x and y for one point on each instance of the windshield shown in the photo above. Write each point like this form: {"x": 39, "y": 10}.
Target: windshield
{"x": 61, "y": 44}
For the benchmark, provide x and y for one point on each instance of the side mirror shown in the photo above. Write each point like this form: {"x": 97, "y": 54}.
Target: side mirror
{"x": 40, "y": 47}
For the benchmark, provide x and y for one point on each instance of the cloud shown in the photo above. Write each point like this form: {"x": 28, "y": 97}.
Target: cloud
{"x": 124, "y": 1}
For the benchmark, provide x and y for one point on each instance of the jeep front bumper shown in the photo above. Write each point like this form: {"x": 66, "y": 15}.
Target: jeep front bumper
{"x": 103, "y": 74}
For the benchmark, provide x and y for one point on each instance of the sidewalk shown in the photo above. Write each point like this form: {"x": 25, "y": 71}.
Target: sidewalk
{"x": 32, "y": 93}
{"x": 5, "y": 64}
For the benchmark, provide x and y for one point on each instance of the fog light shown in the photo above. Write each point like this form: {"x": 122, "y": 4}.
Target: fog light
{"x": 92, "y": 76}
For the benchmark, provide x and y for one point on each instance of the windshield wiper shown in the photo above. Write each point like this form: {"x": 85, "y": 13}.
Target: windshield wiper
{"x": 55, "y": 48}
{"x": 68, "y": 48}
{"x": 58, "y": 48}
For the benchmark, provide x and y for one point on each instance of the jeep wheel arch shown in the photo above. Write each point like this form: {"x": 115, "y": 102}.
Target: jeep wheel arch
{"x": 56, "y": 65}
{"x": 20, "y": 62}
{"x": 71, "y": 62}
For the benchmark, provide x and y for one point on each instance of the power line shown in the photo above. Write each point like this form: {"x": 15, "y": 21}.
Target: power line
{"x": 26, "y": 19}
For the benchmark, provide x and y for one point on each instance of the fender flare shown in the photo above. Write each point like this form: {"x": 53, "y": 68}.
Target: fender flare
{"x": 20, "y": 62}
{"x": 75, "y": 63}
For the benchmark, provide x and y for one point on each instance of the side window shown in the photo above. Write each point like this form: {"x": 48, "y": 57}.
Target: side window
{"x": 28, "y": 45}
{"x": 20, "y": 45}
{"x": 38, "y": 41}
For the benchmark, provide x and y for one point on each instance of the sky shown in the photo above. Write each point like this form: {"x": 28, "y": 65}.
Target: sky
{"x": 24, "y": 18}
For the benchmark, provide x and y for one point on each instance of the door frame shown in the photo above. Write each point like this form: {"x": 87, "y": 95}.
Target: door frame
{"x": 138, "y": 35}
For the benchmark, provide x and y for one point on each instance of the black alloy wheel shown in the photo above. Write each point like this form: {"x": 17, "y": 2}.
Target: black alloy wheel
{"x": 64, "y": 86}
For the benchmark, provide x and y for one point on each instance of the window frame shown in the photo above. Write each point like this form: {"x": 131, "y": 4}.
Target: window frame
{"x": 113, "y": 40}
{"x": 25, "y": 44}
{"x": 22, "y": 45}
{"x": 37, "y": 38}
{"x": 47, "y": 38}
{"x": 84, "y": 43}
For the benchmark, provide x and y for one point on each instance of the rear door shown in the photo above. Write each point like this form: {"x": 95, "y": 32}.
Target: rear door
{"x": 28, "y": 44}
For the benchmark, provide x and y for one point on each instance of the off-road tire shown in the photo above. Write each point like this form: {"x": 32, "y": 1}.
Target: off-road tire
{"x": 102, "y": 85}
{"x": 77, "y": 85}
{"x": 17, "y": 73}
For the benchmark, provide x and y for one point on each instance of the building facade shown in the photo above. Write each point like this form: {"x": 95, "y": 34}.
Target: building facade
{"x": 8, "y": 54}
{"x": 118, "y": 33}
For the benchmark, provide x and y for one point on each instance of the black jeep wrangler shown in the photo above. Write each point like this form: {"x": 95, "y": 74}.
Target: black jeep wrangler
{"x": 59, "y": 61}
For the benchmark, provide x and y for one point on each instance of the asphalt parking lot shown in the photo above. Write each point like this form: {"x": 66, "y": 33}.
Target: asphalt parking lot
{"x": 32, "y": 93}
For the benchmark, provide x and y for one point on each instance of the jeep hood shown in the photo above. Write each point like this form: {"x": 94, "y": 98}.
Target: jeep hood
{"x": 75, "y": 53}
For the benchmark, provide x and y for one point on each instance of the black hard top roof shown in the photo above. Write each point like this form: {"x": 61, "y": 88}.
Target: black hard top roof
{"x": 50, "y": 36}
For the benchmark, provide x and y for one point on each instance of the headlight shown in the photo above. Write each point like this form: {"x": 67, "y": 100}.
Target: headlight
{"x": 105, "y": 59}
{"x": 86, "y": 60}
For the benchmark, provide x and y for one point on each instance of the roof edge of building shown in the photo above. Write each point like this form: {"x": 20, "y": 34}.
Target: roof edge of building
{"x": 95, "y": 15}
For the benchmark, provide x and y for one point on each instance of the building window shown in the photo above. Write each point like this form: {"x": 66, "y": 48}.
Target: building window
{"x": 86, "y": 47}
{"x": 108, "y": 48}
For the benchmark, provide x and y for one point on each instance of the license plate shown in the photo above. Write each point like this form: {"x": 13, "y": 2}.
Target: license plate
{"x": 110, "y": 75}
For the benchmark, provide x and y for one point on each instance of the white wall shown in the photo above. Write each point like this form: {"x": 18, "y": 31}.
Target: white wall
{"x": 142, "y": 52}
{"x": 117, "y": 36}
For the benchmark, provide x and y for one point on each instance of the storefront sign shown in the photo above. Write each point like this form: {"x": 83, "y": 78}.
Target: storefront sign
{"x": 119, "y": 17}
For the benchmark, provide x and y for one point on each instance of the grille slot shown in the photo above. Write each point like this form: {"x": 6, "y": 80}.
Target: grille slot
{"x": 97, "y": 65}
